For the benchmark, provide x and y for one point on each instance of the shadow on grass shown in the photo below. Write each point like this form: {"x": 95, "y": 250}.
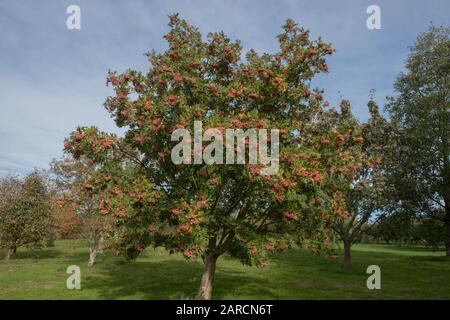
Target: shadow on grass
{"x": 406, "y": 247}
{"x": 166, "y": 280}
{"x": 302, "y": 259}
{"x": 34, "y": 254}
{"x": 443, "y": 259}
{"x": 47, "y": 253}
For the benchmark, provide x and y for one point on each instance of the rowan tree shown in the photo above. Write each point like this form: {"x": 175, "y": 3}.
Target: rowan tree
{"x": 25, "y": 213}
{"x": 420, "y": 108}
{"x": 364, "y": 188}
{"x": 205, "y": 210}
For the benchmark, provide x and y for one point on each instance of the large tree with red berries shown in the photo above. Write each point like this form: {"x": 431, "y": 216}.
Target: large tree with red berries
{"x": 206, "y": 210}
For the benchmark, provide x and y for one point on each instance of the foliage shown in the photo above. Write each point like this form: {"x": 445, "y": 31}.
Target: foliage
{"x": 396, "y": 227}
{"x": 403, "y": 228}
{"x": 204, "y": 209}
{"x": 364, "y": 190}
{"x": 77, "y": 211}
{"x": 420, "y": 168}
{"x": 67, "y": 222}
{"x": 25, "y": 212}
{"x": 429, "y": 231}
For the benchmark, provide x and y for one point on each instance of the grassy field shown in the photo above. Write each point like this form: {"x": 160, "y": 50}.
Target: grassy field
{"x": 406, "y": 273}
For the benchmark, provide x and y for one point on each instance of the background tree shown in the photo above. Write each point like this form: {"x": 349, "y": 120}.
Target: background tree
{"x": 420, "y": 167}
{"x": 205, "y": 209}
{"x": 25, "y": 213}
{"x": 428, "y": 230}
{"x": 393, "y": 227}
{"x": 67, "y": 221}
{"x": 363, "y": 187}
{"x": 79, "y": 218}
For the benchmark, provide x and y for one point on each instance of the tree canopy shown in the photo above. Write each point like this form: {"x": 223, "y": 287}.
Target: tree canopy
{"x": 420, "y": 165}
{"x": 25, "y": 212}
{"x": 206, "y": 209}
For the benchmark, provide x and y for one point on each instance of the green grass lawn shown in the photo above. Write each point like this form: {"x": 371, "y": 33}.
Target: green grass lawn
{"x": 406, "y": 273}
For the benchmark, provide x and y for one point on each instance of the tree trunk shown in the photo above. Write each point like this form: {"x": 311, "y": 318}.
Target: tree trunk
{"x": 347, "y": 263}
{"x": 206, "y": 285}
{"x": 95, "y": 249}
{"x": 92, "y": 256}
{"x": 101, "y": 245}
{"x": 9, "y": 253}
{"x": 447, "y": 228}
{"x": 447, "y": 248}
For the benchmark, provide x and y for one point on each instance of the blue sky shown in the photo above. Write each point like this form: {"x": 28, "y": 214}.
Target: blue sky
{"x": 53, "y": 79}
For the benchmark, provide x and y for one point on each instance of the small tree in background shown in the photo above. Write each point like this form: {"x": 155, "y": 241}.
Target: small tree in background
{"x": 79, "y": 218}
{"x": 206, "y": 209}
{"x": 67, "y": 221}
{"x": 394, "y": 227}
{"x": 25, "y": 213}
{"x": 364, "y": 189}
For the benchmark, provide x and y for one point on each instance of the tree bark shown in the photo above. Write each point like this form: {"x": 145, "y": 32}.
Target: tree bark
{"x": 447, "y": 228}
{"x": 92, "y": 256}
{"x": 347, "y": 263}
{"x": 206, "y": 284}
{"x": 101, "y": 245}
{"x": 95, "y": 249}
{"x": 9, "y": 253}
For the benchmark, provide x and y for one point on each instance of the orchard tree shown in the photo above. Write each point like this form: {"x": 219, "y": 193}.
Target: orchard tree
{"x": 354, "y": 184}
{"x": 364, "y": 189}
{"x": 428, "y": 230}
{"x": 67, "y": 221}
{"x": 394, "y": 227}
{"x": 25, "y": 213}
{"x": 9, "y": 194}
{"x": 420, "y": 169}
{"x": 80, "y": 217}
{"x": 203, "y": 208}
